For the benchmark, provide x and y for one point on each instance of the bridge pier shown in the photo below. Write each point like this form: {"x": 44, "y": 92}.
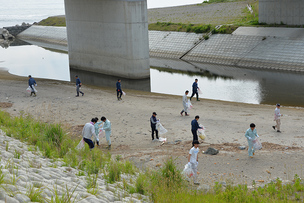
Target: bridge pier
{"x": 108, "y": 37}
{"x": 289, "y": 12}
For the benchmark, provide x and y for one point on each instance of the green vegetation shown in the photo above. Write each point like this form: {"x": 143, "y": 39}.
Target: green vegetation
{"x": 54, "y": 21}
{"x": 166, "y": 184}
{"x": 218, "y": 1}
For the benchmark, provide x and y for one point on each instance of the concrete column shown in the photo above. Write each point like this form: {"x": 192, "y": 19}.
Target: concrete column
{"x": 109, "y": 37}
{"x": 289, "y": 12}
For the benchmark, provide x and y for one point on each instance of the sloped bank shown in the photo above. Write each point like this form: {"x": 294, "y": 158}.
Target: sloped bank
{"x": 256, "y": 48}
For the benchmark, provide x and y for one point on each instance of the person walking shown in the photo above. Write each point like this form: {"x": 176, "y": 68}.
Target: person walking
{"x": 88, "y": 131}
{"x": 32, "y": 83}
{"x": 118, "y": 89}
{"x": 96, "y": 127}
{"x": 195, "y": 89}
{"x": 185, "y": 100}
{"x": 78, "y": 85}
{"x": 106, "y": 126}
{"x": 154, "y": 121}
{"x": 251, "y": 135}
{"x": 194, "y": 127}
{"x": 193, "y": 160}
{"x": 277, "y": 118}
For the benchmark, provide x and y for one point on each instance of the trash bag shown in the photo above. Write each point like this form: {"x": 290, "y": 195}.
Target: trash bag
{"x": 201, "y": 132}
{"x": 257, "y": 144}
{"x": 162, "y": 139}
{"x": 160, "y": 128}
{"x": 189, "y": 105}
{"x": 188, "y": 171}
{"x": 101, "y": 133}
{"x": 29, "y": 89}
{"x": 80, "y": 145}
{"x": 123, "y": 93}
{"x": 199, "y": 91}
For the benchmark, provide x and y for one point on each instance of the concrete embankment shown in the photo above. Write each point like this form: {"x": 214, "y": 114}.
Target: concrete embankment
{"x": 257, "y": 48}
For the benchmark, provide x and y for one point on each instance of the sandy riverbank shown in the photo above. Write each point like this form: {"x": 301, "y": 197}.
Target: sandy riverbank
{"x": 226, "y": 123}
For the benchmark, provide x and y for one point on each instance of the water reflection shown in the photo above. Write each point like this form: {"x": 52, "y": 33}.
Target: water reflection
{"x": 101, "y": 80}
{"x": 167, "y": 76}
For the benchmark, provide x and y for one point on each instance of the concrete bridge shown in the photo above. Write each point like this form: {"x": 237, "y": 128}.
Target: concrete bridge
{"x": 108, "y": 37}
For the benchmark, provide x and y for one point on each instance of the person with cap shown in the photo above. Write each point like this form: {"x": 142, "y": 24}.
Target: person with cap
{"x": 88, "y": 131}
{"x": 154, "y": 121}
{"x": 185, "y": 100}
{"x": 277, "y": 118}
{"x": 32, "y": 83}
{"x": 78, "y": 85}
{"x": 193, "y": 160}
{"x": 118, "y": 89}
{"x": 251, "y": 135}
{"x": 194, "y": 127}
{"x": 194, "y": 90}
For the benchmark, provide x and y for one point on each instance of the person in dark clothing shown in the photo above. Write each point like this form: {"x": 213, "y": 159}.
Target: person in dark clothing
{"x": 153, "y": 122}
{"x": 118, "y": 89}
{"x": 78, "y": 85}
{"x": 194, "y": 127}
{"x": 32, "y": 83}
{"x": 194, "y": 90}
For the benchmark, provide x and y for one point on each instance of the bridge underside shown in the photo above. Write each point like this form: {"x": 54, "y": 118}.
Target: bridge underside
{"x": 289, "y": 12}
{"x": 109, "y": 37}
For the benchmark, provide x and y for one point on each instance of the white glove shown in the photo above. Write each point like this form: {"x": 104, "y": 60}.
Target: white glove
{"x": 101, "y": 128}
{"x": 189, "y": 164}
{"x": 197, "y": 163}
{"x": 35, "y": 84}
{"x": 97, "y": 140}
{"x": 249, "y": 138}
{"x": 257, "y": 135}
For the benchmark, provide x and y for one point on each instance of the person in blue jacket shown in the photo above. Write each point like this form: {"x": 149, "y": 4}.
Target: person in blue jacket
{"x": 78, "y": 85}
{"x": 118, "y": 89}
{"x": 32, "y": 83}
{"x": 194, "y": 127}
{"x": 251, "y": 135}
{"x": 194, "y": 89}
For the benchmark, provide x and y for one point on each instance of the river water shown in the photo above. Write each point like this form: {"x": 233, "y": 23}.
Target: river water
{"x": 216, "y": 82}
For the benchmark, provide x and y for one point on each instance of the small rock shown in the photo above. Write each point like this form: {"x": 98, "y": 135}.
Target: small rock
{"x": 158, "y": 165}
{"x": 242, "y": 147}
{"x": 22, "y": 198}
{"x": 212, "y": 151}
{"x": 204, "y": 187}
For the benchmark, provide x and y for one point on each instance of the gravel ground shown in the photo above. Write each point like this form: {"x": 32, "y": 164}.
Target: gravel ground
{"x": 216, "y": 13}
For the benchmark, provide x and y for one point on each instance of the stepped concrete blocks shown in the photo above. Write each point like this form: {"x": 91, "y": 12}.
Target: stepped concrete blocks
{"x": 288, "y": 12}
{"x": 109, "y": 37}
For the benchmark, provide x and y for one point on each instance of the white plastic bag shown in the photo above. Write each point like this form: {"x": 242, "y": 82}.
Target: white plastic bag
{"x": 80, "y": 145}
{"x": 101, "y": 133}
{"x": 123, "y": 93}
{"x": 256, "y": 144}
{"x": 29, "y": 89}
{"x": 201, "y": 132}
{"x": 161, "y": 128}
{"x": 199, "y": 91}
{"x": 189, "y": 105}
{"x": 162, "y": 139}
{"x": 188, "y": 171}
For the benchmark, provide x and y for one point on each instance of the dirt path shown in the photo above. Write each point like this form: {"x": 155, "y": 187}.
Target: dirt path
{"x": 226, "y": 122}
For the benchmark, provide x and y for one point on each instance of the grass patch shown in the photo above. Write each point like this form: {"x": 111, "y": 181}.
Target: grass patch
{"x": 53, "y": 21}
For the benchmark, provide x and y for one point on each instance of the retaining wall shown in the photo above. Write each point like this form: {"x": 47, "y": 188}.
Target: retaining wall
{"x": 258, "y": 48}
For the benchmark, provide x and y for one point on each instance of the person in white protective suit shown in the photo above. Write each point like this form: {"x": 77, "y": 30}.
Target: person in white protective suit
{"x": 106, "y": 126}
{"x": 251, "y": 135}
{"x": 97, "y": 126}
{"x": 277, "y": 118}
{"x": 185, "y": 100}
{"x": 193, "y": 160}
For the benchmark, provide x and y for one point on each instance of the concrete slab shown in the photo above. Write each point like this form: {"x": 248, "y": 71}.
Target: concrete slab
{"x": 291, "y": 33}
